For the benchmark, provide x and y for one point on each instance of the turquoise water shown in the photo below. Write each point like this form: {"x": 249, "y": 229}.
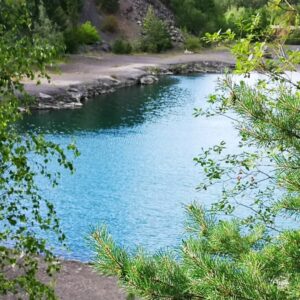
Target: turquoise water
{"x": 136, "y": 168}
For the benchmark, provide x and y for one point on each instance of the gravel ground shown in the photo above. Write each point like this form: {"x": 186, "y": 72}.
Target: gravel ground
{"x": 76, "y": 281}
{"x": 79, "y": 69}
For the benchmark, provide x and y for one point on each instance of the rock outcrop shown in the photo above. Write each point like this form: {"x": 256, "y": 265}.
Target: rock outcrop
{"x": 75, "y": 95}
{"x": 148, "y": 79}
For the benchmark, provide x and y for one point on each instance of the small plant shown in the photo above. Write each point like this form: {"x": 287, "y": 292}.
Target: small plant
{"x": 156, "y": 37}
{"x": 110, "y": 24}
{"x": 85, "y": 34}
{"x": 71, "y": 40}
{"x": 191, "y": 42}
{"x": 136, "y": 45}
{"x": 121, "y": 47}
{"x": 88, "y": 34}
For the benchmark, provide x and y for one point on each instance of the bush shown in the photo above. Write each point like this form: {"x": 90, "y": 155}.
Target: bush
{"x": 136, "y": 45}
{"x": 109, "y": 6}
{"x": 121, "y": 47}
{"x": 240, "y": 19}
{"x": 110, "y": 24}
{"x": 85, "y": 34}
{"x": 88, "y": 34}
{"x": 156, "y": 37}
{"x": 191, "y": 42}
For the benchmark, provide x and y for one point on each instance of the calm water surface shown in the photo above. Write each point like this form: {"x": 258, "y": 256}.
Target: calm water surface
{"x": 136, "y": 168}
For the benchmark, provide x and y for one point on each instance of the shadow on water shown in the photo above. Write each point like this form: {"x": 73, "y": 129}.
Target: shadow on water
{"x": 127, "y": 107}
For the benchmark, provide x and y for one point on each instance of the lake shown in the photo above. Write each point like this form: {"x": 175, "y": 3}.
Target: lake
{"x": 136, "y": 168}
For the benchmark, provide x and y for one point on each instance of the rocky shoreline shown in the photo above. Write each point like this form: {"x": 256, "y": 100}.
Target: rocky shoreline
{"x": 75, "y": 95}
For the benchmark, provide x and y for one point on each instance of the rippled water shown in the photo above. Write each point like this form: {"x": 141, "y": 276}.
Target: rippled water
{"x": 136, "y": 168}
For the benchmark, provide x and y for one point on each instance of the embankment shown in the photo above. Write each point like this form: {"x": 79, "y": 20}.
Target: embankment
{"x": 82, "y": 78}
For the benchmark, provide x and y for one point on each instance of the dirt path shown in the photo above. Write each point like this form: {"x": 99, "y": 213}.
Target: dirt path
{"x": 77, "y": 281}
{"x": 80, "y": 69}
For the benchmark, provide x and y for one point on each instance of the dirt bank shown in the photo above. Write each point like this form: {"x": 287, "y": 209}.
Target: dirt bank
{"x": 76, "y": 281}
{"x": 83, "y": 77}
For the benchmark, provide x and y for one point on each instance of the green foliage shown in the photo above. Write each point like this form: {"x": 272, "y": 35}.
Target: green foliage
{"x": 250, "y": 3}
{"x": 25, "y": 214}
{"x": 121, "y": 47}
{"x": 109, "y": 6}
{"x": 137, "y": 45}
{"x": 88, "y": 34}
{"x": 217, "y": 261}
{"x": 294, "y": 38}
{"x": 240, "y": 19}
{"x": 201, "y": 16}
{"x": 155, "y": 34}
{"x": 84, "y": 34}
{"x": 63, "y": 13}
{"x": 191, "y": 42}
{"x": 247, "y": 245}
{"x": 71, "y": 40}
{"x": 197, "y": 16}
{"x": 110, "y": 24}
{"x": 45, "y": 29}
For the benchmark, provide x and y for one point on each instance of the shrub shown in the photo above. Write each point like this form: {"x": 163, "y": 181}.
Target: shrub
{"x": 191, "y": 42}
{"x": 109, "y": 6}
{"x": 156, "y": 37}
{"x": 71, "y": 40}
{"x": 136, "y": 45}
{"x": 88, "y": 34}
{"x": 110, "y": 24}
{"x": 121, "y": 47}
{"x": 240, "y": 19}
{"x": 84, "y": 34}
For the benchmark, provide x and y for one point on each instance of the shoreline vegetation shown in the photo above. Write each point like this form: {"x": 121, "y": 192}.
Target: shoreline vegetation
{"x": 84, "y": 77}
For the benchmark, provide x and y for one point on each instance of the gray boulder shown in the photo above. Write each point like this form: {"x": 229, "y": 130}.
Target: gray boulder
{"x": 149, "y": 79}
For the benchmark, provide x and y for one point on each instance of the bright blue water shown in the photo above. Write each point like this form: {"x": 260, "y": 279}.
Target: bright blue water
{"x": 136, "y": 168}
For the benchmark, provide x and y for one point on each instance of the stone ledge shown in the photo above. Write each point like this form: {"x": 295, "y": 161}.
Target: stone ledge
{"x": 75, "y": 95}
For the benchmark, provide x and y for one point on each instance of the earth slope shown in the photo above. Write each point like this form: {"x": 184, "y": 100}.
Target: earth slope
{"x": 130, "y": 18}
